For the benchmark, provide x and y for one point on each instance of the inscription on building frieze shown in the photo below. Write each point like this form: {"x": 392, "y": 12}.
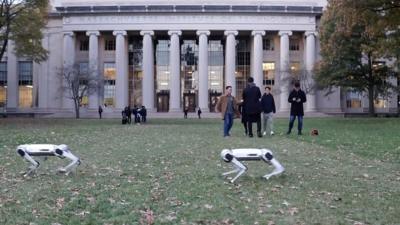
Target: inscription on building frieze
{"x": 188, "y": 19}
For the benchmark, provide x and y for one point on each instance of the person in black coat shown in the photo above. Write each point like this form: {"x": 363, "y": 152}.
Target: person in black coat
{"x": 297, "y": 97}
{"x": 268, "y": 108}
{"x": 143, "y": 113}
{"x": 252, "y": 106}
{"x": 243, "y": 115}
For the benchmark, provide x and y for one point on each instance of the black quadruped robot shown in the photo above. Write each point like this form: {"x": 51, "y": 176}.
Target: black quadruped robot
{"x": 235, "y": 156}
{"x": 35, "y": 150}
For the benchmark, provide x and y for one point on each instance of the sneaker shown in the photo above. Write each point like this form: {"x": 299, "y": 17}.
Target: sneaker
{"x": 251, "y": 135}
{"x": 272, "y": 133}
{"x": 299, "y": 133}
{"x": 264, "y": 133}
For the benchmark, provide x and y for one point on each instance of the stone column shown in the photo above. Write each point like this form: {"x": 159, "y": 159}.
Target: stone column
{"x": 230, "y": 59}
{"x": 121, "y": 83}
{"x": 174, "y": 72}
{"x": 203, "y": 70}
{"x": 310, "y": 61}
{"x": 94, "y": 67}
{"x": 258, "y": 57}
{"x": 284, "y": 70}
{"x": 69, "y": 61}
{"x": 12, "y": 78}
{"x": 43, "y": 78}
{"x": 148, "y": 70}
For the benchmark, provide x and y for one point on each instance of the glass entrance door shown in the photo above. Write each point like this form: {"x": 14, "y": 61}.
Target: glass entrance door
{"x": 189, "y": 101}
{"x": 163, "y": 102}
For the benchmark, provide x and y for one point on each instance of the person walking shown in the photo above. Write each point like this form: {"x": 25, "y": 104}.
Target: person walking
{"x": 199, "y": 113}
{"x": 100, "y": 111}
{"x": 143, "y": 113}
{"x": 252, "y": 106}
{"x": 185, "y": 112}
{"x": 268, "y": 108}
{"x": 243, "y": 117}
{"x": 297, "y": 97}
{"x": 227, "y": 105}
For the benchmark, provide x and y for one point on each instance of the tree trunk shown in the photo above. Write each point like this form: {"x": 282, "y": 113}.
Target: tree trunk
{"x": 371, "y": 108}
{"x": 76, "y": 109}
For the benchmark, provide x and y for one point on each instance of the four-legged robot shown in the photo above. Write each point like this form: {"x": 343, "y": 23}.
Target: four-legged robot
{"x": 61, "y": 151}
{"x": 234, "y": 156}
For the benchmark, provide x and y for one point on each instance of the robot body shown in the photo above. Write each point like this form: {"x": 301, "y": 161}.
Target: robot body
{"x": 235, "y": 156}
{"x": 35, "y": 150}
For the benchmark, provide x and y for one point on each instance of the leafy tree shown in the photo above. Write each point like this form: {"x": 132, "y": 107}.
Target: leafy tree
{"x": 354, "y": 48}
{"x": 78, "y": 83}
{"x": 22, "y": 21}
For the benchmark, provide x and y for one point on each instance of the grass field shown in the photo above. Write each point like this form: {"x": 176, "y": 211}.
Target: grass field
{"x": 169, "y": 172}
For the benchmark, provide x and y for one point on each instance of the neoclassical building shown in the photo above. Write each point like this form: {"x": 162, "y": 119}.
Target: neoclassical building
{"x": 169, "y": 55}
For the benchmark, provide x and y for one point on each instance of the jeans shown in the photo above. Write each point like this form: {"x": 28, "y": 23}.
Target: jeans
{"x": 228, "y": 122}
{"x": 267, "y": 120}
{"x": 299, "y": 123}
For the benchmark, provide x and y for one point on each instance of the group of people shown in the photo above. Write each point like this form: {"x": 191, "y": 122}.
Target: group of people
{"x": 139, "y": 114}
{"x": 254, "y": 104}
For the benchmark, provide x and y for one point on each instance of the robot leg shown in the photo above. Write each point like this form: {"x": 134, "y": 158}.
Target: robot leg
{"x": 63, "y": 152}
{"x": 278, "y": 168}
{"x": 34, "y": 164}
{"x": 239, "y": 167}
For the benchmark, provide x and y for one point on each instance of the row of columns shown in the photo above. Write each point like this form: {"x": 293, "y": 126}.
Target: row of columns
{"x": 121, "y": 63}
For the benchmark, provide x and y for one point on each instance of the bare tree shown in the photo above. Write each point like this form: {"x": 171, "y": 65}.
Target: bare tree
{"x": 78, "y": 83}
{"x": 303, "y": 76}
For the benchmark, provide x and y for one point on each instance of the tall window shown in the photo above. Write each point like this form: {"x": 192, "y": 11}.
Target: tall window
{"x": 269, "y": 73}
{"x": 109, "y": 83}
{"x": 84, "y": 71}
{"x": 294, "y": 44}
{"x": 25, "y": 84}
{"x": 135, "y": 70}
{"x": 268, "y": 44}
{"x": 3, "y": 83}
{"x": 189, "y": 62}
{"x": 84, "y": 44}
{"x": 353, "y": 99}
{"x": 242, "y": 66}
{"x": 109, "y": 44}
{"x": 215, "y": 66}
{"x": 162, "y": 65}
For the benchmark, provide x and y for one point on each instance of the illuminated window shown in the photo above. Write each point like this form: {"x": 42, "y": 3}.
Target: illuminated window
{"x": 3, "y": 83}
{"x": 268, "y": 44}
{"x": 83, "y": 71}
{"x": 269, "y": 73}
{"x": 353, "y": 99}
{"x": 215, "y": 66}
{"x": 295, "y": 71}
{"x": 25, "y": 84}
{"x": 109, "y": 83}
{"x": 380, "y": 103}
{"x": 162, "y": 65}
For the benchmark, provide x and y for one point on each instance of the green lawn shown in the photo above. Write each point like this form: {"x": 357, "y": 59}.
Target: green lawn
{"x": 170, "y": 170}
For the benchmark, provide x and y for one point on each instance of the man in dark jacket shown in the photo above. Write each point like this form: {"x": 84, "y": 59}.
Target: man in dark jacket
{"x": 252, "y": 106}
{"x": 297, "y": 97}
{"x": 268, "y": 108}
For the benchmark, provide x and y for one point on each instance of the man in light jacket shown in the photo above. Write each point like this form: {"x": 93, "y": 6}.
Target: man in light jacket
{"x": 227, "y": 105}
